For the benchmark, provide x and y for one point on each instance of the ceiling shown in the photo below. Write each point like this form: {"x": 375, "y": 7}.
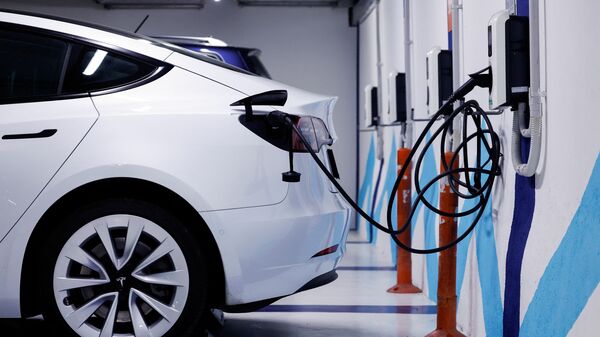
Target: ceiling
{"x": 200, "y": 3}
{"x": 152, "y": 3}
{"x": 304, "y": 3}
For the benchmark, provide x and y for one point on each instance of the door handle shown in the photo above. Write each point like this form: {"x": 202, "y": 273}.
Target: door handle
{"x": 42, "y": 134}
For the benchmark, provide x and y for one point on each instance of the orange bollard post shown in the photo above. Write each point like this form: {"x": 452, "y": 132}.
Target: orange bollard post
{"x": 446, "y": 296}
{"x": 404, "y": 283}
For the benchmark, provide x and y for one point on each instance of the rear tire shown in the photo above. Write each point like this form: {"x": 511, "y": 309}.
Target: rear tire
{"x": 123, "y": 266}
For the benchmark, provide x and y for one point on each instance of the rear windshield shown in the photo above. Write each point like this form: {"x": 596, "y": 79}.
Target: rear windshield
{"x": 251, "y": 56}
{"x": 243, "y": 58}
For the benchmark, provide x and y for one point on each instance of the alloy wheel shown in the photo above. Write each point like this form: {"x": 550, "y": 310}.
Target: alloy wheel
{"x": 121, "y": 275}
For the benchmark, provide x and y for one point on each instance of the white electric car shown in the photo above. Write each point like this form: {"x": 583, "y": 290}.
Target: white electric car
{"x": 134, "y": 195}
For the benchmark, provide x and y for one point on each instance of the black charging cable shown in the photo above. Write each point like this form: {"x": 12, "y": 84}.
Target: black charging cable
{"x": 475, "y": 188}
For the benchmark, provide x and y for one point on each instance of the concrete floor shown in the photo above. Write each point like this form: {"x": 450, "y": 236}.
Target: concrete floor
{"x": 356, "y": 304}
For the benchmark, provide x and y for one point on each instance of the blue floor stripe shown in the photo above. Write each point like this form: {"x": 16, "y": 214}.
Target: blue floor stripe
{"x": 363, "y": 309}
{"x": 374, "y": 268}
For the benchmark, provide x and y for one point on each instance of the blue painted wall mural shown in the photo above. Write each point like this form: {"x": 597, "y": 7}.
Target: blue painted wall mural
{"x": 508, "y": 299}
{"x": 487, "y": 263}
{"x": 430, "y": 170}
{"x": 365, "y": 193}
{"x": 521, "y": 225}
{"x": 388, "y": 184}
{"x": 573, "y": 272}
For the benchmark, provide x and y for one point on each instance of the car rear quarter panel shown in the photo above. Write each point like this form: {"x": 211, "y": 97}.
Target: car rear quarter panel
{"x": 182, "y": 125}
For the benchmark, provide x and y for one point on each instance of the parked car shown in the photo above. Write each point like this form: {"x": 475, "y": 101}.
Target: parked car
{"x": 134, "y": 196}
{"x": 244, "y": 58}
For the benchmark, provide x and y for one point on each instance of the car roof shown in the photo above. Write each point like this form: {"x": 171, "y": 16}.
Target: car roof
{"x": 87, "y": 31}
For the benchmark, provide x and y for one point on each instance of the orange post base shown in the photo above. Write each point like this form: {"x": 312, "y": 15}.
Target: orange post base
{"x": 445, "y": 333}
{"x": 404, "y": 259}
{"x": 404, "y": 289}
{"x": 446, "y": 298}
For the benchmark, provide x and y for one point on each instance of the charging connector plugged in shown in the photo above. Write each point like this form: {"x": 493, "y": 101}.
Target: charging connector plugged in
{"x": 309, "y": 134}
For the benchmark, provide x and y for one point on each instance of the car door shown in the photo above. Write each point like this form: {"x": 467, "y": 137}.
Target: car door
{"x": 39, "y": 126}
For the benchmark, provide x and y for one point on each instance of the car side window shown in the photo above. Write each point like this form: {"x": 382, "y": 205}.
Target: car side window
{"x": 93, "y": 69}
{"x": 30, "y": 65}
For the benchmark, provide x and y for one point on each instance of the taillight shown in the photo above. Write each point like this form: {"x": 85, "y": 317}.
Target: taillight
{"x": 327, "y": 251}
{"x": 313, "y": 129}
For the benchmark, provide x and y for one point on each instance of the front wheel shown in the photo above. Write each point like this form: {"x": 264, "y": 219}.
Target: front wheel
{"x": 124, "y": 267}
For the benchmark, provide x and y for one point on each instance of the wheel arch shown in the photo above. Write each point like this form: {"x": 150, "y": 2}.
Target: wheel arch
{"x": 119, "y": 187}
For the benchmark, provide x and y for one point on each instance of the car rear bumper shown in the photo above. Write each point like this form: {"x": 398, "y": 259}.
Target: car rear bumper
{"x": 318, "y": 281}
{"x": 269, "y": 252}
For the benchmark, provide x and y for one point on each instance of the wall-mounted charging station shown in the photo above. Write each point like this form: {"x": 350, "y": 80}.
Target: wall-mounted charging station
{"x": 439, "y": 78}
{"x": 371, "y": 106}
{"x": 397, "y": 87}
{"x": 509, "y": 58}
{"x": 508, "y": 52}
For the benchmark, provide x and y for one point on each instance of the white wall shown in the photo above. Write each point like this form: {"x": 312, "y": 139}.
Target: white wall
{"x": 392, "y": 59}
{"x": 572, "y": 147}
{"x": 367, "y": 56}
{"x": 430, "y": 28}
{"x": 475, "y": 17}
{"x": 310, "y": 48}
{"x": 559, "y": 293}
{"x": 367, "y": 75}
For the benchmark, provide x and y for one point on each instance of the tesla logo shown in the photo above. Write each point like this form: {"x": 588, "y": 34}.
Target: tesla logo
{"x": 121, "y": 281}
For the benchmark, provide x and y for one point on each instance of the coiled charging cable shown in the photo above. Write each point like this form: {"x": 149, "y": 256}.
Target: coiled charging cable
{"x": 479, "y": 186}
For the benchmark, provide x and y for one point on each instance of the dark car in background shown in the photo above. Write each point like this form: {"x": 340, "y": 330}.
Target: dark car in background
{"x": 244, "y": 58}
